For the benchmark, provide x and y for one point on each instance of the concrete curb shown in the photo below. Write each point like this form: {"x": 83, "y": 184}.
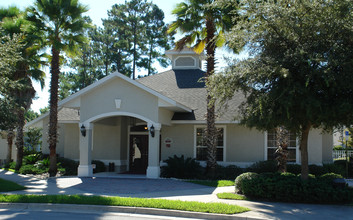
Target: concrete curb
{"x": 120, "y": 209}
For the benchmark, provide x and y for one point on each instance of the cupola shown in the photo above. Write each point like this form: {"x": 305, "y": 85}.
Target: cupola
{"x": 185, "y": 59}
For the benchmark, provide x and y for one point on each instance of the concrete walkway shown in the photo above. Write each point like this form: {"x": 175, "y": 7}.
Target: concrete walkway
{"x": 137, "y": 186}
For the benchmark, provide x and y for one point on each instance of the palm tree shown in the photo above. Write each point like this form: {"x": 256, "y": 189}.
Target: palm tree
{"x": 203, "y": 25}
{"x": 13, "y": 22}
{"x": 63, "y": 25}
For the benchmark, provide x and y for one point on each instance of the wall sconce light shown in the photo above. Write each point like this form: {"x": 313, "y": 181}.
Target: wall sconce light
{"x": 152, "y": 131}
{"x": 83, "y": 130}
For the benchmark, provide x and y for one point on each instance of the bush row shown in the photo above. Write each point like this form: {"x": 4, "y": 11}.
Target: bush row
{"x": 39, "y": 164}
{"x": 189, "y": 168}
{"x": 288, "y": 187}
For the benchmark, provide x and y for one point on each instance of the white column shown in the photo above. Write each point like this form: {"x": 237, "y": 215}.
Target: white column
{"x": 153, "y": 169}
{"x": 85, "y": 168}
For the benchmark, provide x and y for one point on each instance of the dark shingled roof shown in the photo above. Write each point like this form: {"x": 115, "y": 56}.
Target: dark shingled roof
{"x": 187, "y": 88}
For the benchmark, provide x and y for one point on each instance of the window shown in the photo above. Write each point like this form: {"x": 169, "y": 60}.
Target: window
{"x": 201, "y": 148}
{"x": 185, "y": 61}
{"x": 271, "y": 146}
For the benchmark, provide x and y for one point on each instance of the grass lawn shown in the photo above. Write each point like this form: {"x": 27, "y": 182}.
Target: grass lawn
{"x": 213, "y": 183}
{"x": 231, "y": 196}
{"x": 6, "y": 186}
{"x": 218, "y": 208}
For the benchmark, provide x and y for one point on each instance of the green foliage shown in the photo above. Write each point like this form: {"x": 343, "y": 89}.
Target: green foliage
{"x": 32, "y": 158}
{"x": 100, "y": 167}
{"x": 69, "y": 165}
{"x": 232, "y": 196}
{"x": 263, "y": 166}
{"x": 213, "y": 183}
{"x": 219, "y": 208}
{"x": 300, "y": 63}
{"x": 227, "y": 173}
{"x": 294, "y": 168}
{"x": 32, "y": 169}
{"x": 290, "y": 188}
{"x": 33, "y": 139}
{"x": 240, "y": 182}
{"x": 30, "y": 115}
{"x": 7, "y": 186}
{"x": 179, "y": 167}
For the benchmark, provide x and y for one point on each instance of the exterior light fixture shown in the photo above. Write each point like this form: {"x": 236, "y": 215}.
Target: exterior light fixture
{"x": 83, "y": 130}
{"x": 152, "y": 130}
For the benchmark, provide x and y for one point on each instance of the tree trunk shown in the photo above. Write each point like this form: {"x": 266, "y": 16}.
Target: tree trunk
{"x": 282, "y": 142}
{"x": 134, "y": 58}
{"x": 211, "y": 132}
{"x": 150, "y": 57}
{"x": 10, "y": 136}
{"x": 53, "y": 114}
{"x": 19, "y": 138}
{"x": 304, "y": 151}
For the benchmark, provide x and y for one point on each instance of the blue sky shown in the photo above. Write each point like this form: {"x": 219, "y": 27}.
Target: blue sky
{"x": 97, "y": 11}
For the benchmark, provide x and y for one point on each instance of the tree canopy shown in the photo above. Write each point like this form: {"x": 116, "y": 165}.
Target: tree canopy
{"x": 299, "y": 73}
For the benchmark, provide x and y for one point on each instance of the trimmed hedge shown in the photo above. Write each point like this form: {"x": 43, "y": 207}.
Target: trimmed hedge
{"x": 288, "y": 187}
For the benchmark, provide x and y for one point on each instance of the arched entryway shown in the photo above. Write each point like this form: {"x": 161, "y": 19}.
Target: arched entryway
{"x": 124, "y": 138}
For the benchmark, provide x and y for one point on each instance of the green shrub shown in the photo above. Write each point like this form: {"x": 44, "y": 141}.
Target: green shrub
{"x": 316, "y": 170}
{"x": 239, "y": 181}
{"x": 32, "y": 158}
{"x": 334, "y": 168}
{"x": 69, "y": 165}
{"x": 12, "y": 165}
{"x": 290, "y": 188}
{"x": 226, "y": 173}
{"x": 294, "y": 168}
{"x": 263, "y": 167}
{"x": 179, "y": 167}
{"x": 100, "y": 166}
{"x": 32, "y": 169}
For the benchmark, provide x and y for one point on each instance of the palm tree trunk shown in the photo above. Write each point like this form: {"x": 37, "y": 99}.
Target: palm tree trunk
{"x": 211, "y": 131}
{"x": 19, "y": 138}
{"x": 10, "y": 136}
{"x": 53, "y": 114}
{"x": 304, "y": 151}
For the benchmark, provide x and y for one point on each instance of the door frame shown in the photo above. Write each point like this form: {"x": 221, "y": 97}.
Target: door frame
{"x": 128, "y": 141}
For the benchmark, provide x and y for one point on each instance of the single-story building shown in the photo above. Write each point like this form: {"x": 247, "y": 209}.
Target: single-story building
{"x": 136, "y": 124}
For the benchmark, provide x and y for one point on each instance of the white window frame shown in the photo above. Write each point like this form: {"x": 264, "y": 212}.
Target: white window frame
{"x": 297, "y": 154}
{"x": 224, "y": 140}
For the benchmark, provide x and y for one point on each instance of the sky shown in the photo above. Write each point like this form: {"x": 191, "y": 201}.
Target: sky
{"x": 97, "y": 11}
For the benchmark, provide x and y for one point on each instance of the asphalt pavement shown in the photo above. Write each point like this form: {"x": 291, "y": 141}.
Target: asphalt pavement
{"x": 109, "y": 184}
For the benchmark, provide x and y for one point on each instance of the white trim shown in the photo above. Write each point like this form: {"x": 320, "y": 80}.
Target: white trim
{"x": 127, "y": 79}
{"x": 110, "y": 114}
{"x": 201, "y": 122}
{"x": 224, "y": 140}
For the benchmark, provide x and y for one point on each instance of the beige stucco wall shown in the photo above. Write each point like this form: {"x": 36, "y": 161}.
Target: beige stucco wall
{"x": 133, "y": 100}
{"x": 315, "y": 147}
{"x": 71, "y": 141}
{"x": 45, "y": 131}
{"x": 3, "y": 149}
{"x": 244, "y": 144}
{"x": 183, "y": 141}
{"x": 165, "y": 116}
{"x": 106, "y": 140}
{"x": 327, "y": 145}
